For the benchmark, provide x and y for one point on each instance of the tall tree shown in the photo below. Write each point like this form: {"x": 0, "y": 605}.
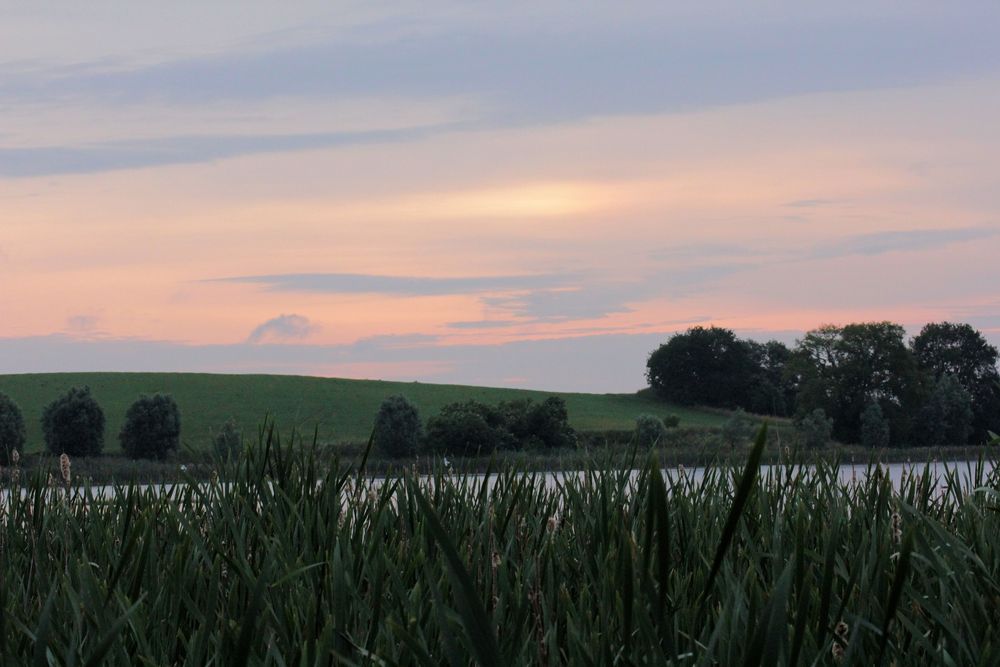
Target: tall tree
{"x": 945, "y": 348}
{"x": 704, "y": 366}
{"x": 812, "y": 371}
{"x": 842, "y": 369}
{"x": 772, "y": 391}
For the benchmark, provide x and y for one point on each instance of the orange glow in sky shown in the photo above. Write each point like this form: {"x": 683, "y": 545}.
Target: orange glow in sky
{"x": 175, "y": 193}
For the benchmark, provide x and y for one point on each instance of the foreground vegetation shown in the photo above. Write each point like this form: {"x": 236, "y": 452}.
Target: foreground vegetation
{"x": 604, "y": 567}
{"x": 342, "y": 410}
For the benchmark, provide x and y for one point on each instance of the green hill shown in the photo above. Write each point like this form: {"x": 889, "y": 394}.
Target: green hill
{"x": 343, "y": 410}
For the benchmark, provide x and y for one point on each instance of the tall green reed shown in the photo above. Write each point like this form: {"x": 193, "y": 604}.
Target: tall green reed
{"x": 293, "y": 559}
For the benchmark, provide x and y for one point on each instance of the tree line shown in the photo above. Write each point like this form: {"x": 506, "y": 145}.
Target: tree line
{"x": 941, "y": 387}
{"x": 73, "y": 424}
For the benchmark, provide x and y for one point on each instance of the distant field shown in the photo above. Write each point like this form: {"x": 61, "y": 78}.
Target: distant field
{"x": 342, "y": 409}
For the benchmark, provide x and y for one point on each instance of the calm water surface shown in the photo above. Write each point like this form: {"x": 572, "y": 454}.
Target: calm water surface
{"x": 941, "y": 473}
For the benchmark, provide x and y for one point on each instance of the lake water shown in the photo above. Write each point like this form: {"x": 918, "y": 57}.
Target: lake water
{"x": 941, "y": 474}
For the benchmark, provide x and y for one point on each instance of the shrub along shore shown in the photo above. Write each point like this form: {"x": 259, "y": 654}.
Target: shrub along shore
{"x": 786, "y": 567}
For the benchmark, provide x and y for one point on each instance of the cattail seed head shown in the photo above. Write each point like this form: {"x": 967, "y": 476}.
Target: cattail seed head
{"x": 897, "y": 528}
{"x": 839, "y": 641}
{"x": 64, "y": 468}
{"x": 837, "y": 651}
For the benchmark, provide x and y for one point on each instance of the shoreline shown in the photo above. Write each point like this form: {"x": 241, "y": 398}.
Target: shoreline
{"x": 116, "y": 468}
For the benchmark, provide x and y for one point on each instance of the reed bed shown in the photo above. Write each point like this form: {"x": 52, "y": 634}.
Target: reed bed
{"x": 295, "y": 560}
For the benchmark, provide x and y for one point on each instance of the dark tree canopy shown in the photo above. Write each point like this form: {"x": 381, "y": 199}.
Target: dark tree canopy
{"x": 74, "y": 424}
{"x": 472, "y": 427}
{"x": 862, "y": 377}
{"x": 958, "y": 350}
{"x": 12, "y": 433}
{"x": 703, "y": 366}
{"x": 152, "y": 428}
{"x": 772, "y": 391}
{"x": 398, "y": 429}
{"x": 874, "y": 427}
{"x": 544, "y": 424}
{"x": 841, "y": 369}
{"x": 467, "y": 429}
{"x": 946, "y": 416}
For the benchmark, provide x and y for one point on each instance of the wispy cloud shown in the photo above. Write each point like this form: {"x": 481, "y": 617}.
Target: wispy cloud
{"x": 528, "y": 298}
{"x": 600, "y": 297}
{"x": 587, "y": 302}
{"x": 520, "y": 73}
{"x": 879, "y": 243}
{"x": 388, "y": 342}
{"x": 711, "y": 251}
{"x": 283, "y": 328}
{"x": 811, "y": 203}
{"x": 139, "y": 153}
{"x": 363, "y": 283}
{"x": 483, "y": 324}
{"x": 517, "y": 62}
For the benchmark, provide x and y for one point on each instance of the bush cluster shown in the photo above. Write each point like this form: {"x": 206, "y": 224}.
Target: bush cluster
{"x": 152, "y": 428}
{"x": 522, "y": 424}
{"x": 650, "y": 430}
{"x": 814, "y": 429}
{"x": 74, "y": 424}
{"x": 737, "y": 429}
{"x": 471, "y": 428}
{"x": 467, "y": 429}
{"x": 398, "y": 430}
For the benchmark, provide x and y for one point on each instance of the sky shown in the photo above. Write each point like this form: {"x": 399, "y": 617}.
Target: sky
{"x": 514, "y": 194}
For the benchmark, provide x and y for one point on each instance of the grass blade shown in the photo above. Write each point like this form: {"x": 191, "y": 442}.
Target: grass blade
{"x": 482, "y": 637}
{"x": 743, "y": 491}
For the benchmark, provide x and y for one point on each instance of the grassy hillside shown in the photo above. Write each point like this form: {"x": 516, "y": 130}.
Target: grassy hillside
{"x": 342, "y": 409}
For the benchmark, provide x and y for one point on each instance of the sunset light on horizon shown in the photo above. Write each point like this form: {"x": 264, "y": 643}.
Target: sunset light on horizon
{"x": 480, "y": 196}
